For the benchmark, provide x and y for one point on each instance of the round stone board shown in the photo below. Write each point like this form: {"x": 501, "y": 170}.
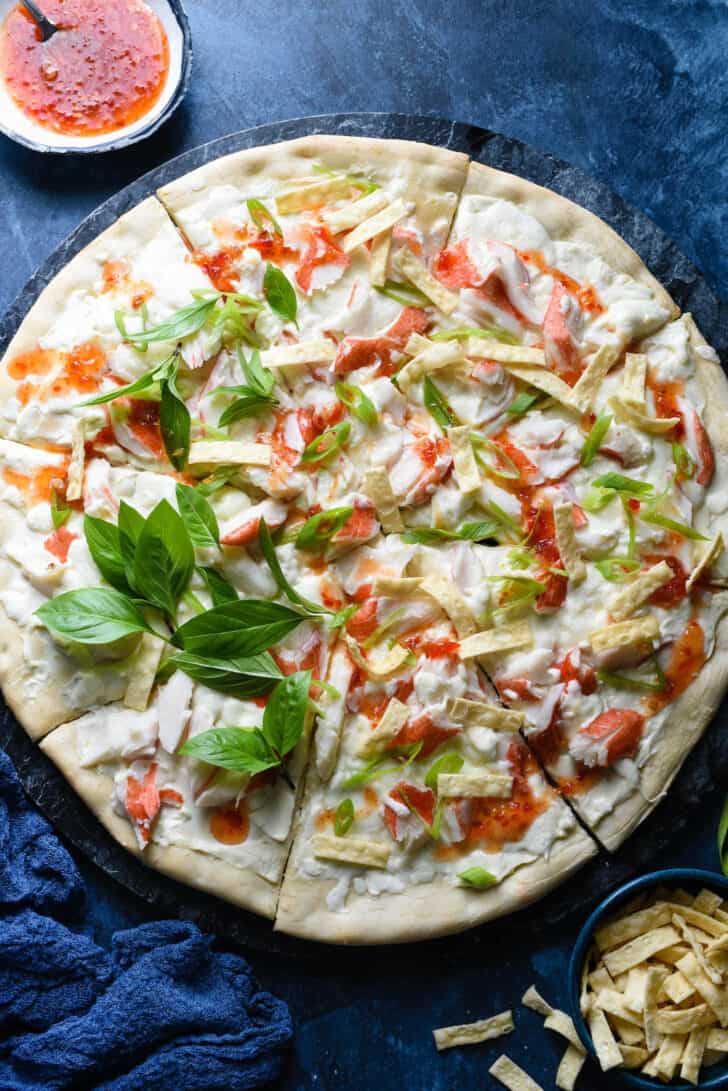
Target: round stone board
{"x": 706, "y": 769}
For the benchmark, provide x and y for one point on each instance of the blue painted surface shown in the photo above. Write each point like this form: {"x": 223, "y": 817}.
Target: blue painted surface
{"x": 633, "y": 91}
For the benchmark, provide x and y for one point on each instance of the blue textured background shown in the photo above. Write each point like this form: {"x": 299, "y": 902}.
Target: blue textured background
{"x": 633, "y": 91}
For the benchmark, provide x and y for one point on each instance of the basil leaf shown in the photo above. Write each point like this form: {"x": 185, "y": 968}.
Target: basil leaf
{"x": 593, "y": 441}
{"x": 250, "y": 405}
{"x": 406, "y": 294}
{"x": 237, "y": 748}
{"x": 280, "y": 293}
{"x": 220, "y": 590}
{"x": 260, "y": 216}
{"x": 163, "y": 559}
{"x": 327, "y": 444}
{"x": 268, "y": 549}
{"x": 60, "y": 510}
{"x": 356, "y": 401}
{"x": 260, "y": 378}
{"x": 198, "y": 517}
{"x": 235, "y": 629}
{"x": 104, "y": 545}
{"x": 344, "y": 817}
{"x": 489, "y": 333}
{"x": 174, "y": 422}
{"x": 436, "y": 405}
{"x": 94, "y": 615}
{"x": 477, "y": 877}
{"x": 242, "y": 678}
{"x": 285, "y": 712}
{"x": 130, "y": 525}
{"x": 722, "y": 833}
{"x": 182, "y": 323}
{"x": 317, "y": 532}
{"x": 128, "y": 391}
{"x": 630, "y": 486}
{"x": 451, "y": 762}
{"x": 522, "y": 403}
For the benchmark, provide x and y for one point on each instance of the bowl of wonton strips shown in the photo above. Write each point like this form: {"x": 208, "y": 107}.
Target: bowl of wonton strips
{"x": 649, "y": 981}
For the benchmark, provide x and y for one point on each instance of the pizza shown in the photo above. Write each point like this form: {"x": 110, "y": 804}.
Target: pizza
{"x": 361, "y": 550}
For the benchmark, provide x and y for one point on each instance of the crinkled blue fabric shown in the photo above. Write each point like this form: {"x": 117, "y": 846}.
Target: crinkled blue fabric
{"x": 163, "y": 1009}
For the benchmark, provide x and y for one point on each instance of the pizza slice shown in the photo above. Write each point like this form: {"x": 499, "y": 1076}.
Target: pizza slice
{"x": 424, "y": 811}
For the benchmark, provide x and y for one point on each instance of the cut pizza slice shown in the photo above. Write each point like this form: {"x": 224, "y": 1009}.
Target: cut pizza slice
{"x": 424, "y": 811}
{"x": 619, "y": 578}
{"x": 106, "y": 321}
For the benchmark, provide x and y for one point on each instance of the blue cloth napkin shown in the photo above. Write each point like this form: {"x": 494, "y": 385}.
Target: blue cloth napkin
{"x": 163, "y": 1009}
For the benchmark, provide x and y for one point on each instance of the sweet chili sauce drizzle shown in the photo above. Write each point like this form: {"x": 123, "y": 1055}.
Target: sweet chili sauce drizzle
{"x": 104, "y": 69}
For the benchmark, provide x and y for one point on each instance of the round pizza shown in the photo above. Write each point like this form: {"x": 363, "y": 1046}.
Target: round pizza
{"x": 360, "y": 552}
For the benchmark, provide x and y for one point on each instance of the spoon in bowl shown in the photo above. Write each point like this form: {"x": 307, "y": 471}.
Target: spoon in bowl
{"x": 47, "y": 28}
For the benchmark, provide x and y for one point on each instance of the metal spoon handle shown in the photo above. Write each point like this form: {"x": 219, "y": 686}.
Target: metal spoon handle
{"x": 47, "y": 28}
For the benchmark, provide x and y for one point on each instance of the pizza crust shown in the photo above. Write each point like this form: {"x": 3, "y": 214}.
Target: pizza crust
{"x": 240, "y": 886}
{"x": 423, "y": 911}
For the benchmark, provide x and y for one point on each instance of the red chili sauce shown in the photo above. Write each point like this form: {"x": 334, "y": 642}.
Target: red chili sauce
{"x": 104, "y": 68}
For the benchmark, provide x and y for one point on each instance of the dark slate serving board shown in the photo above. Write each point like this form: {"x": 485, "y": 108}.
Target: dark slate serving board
{"x": 705, "y": 772}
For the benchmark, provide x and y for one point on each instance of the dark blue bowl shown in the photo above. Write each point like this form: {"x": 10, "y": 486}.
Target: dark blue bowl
{"x": 691, "y": 879}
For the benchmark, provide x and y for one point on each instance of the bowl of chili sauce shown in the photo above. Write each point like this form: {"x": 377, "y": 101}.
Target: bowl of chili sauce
{"x": 113, "y": 72}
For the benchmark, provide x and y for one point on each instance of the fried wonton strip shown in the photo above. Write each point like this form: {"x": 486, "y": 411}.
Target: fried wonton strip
{"x": 416, "y": 272}
{"x": 606, "y": 1047}
{"x": 374, "y": 226}
{"x": 505, "y": 354}
{"x": 589, "y": 383}
{"x": 626, "y": 1032}
{"x": 563, "y": 1024}
{"x": 479, "y": 714}
{"x": 692, "y": 1057}
{"x": 668, "y": 1055}
{"x": 640, "y": 949}
{"x": 718, "y": 1040}
{"x": 465, "y": 468}
{"x": 313, "y": 193}
{"x": 532, "y": 999}
{"x": 396, "y": 585}
{"x": 655, "y": 426}
{"x": 351, "y": 215}
{"x": 691, "y": 938}
{"x": 349, "y": 850}
{"x": 229, "y": 453}
{"x": 474, "y": 785}
{"x": 511, "y": 1076}
{"x": 653, "y": 984}
{"x": 568, "y": 1071}
{"x": 492, "y": 641}
{"x": 709, "y": 557}
{"x": 682, "y": 1020}
{"x": 707, "y": 902}
{"x": 143, "y": 672}
{"x": 623, "y": 634}
{"x": 395, "y": 717}
{"x": 542, "y": 379}
{"x": 571, "y": 559}
{"x": 377, "y": 487}
{"x": 632, "y": 391}
{"x": 433, "y": 356}
{"x": 74, "y": 486}
{"x": 633, "y": 1056}
{"x": 448, "y": 596}
{"x": 379, "y": 258}
{"x": 634, "y": 990}
{"x": 382, "y": 661}
{"x": 613, "y": 1002}
{"x": 317, "y": 351}
{"x": 677, "y": 988}
{"x": 630, "y": 597}
{"x": 700, "y": 920}
{"x": 471, "y": 1033}
{"x": 716, "y": 998}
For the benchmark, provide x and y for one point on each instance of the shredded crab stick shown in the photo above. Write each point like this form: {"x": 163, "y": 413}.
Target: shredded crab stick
{"x": 243, "y": 528}
{"x": 382, "y": 351}
{"x": 143, "y": 800}
{"x": 321, "y": 253}
{"x": 560, "y": 343}
{"x": 612, "y": 735}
